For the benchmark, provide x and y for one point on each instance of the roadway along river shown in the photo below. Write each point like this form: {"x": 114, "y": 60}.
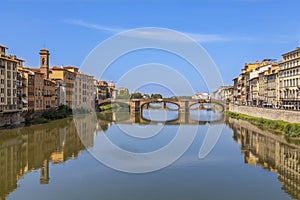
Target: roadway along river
{"x": 50, "y": 161}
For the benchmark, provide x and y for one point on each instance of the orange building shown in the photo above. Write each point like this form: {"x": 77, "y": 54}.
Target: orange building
{"x": 41, "y": 90}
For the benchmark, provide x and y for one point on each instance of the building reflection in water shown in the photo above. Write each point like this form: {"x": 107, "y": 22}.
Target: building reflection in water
{"x": 271, "y": 152}
{"x": 30, "y": 148}
{"x": 33, "y": 148}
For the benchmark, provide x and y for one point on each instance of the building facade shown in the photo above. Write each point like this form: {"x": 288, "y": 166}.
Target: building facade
{"x": 8, "y": 81}
{"x": 22, "y": 88}
{"x": 272, "y": 89}
{"x": 289, "y": 80}
{"x": 102, "y": 90}
{"x": 41, "y": 89}
{"x": 257, "y": 84}
{"x": 85, "y": 91}
{"x": 68, "y": 78}
{"x": 251, "y": 87}
{"x": 75, "y": 88}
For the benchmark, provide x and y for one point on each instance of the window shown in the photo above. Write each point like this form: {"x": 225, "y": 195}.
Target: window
{"x": 9, "y": 65}
{"x": 41, "y": 103}
{"x": 294, "y": 83}
{"x": 2, "y": 100}
{"x": 36, "y": 103}
{"x": 8, "y": 74}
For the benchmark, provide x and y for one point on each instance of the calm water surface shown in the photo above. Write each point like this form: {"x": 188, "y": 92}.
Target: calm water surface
{"x": 50, "y": 161}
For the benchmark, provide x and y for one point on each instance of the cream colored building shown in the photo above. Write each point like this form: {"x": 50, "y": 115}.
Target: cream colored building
{"x": 257, "y": 84}
{"x": 289, "y": 80}
{"x": 8, "y": 81}
{"x": 84, "y": 91}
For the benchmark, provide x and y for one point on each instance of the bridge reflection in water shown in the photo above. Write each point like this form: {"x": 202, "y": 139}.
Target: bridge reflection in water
{"x": 149, "y": 117}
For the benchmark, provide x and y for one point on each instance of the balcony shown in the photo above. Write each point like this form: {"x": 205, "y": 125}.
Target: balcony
{"x": 290, "y": 98}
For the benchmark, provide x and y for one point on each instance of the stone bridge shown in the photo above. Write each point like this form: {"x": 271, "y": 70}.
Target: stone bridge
{"x": 136, "y": 105}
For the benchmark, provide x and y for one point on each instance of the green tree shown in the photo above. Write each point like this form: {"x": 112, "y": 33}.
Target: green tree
{"x": 136, "y": 95}
{"x": 124, "y": 94}
{"x": 156, "y": 96}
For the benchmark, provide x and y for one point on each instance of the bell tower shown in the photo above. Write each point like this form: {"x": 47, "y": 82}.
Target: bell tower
{"x": 44, "y": 62}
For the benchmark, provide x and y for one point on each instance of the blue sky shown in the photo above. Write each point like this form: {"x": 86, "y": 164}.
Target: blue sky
{"x": 232, "y": 31}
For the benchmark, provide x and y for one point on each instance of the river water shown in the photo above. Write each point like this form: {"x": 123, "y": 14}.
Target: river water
{"x": 67, "y": 159}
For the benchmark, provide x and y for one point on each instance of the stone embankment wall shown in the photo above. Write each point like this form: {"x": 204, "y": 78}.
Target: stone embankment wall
{"x": 11, "y": 119}
{"x": 267, "y": 113}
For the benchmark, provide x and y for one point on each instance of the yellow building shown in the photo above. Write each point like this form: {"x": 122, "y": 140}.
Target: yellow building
{"x": 79, "y": 87}
{"x": 68, "y": 78}
{"x": 249, "y": 86}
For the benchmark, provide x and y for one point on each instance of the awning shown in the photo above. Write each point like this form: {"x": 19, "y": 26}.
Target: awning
{"x": 24, "y": 100}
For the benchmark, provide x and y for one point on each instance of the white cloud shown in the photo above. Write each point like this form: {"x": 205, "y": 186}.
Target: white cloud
{"x": 98, "y": 27}
{"x": 155, "y": 34}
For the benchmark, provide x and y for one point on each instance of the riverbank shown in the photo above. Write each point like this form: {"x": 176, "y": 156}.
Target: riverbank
{"x": 61, "y": 112}
{"x": 290, "y": 116}
{"x": 275, "y": 126}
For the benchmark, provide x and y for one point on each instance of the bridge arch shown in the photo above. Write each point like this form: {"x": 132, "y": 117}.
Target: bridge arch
{"x": 145, "y": 102}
